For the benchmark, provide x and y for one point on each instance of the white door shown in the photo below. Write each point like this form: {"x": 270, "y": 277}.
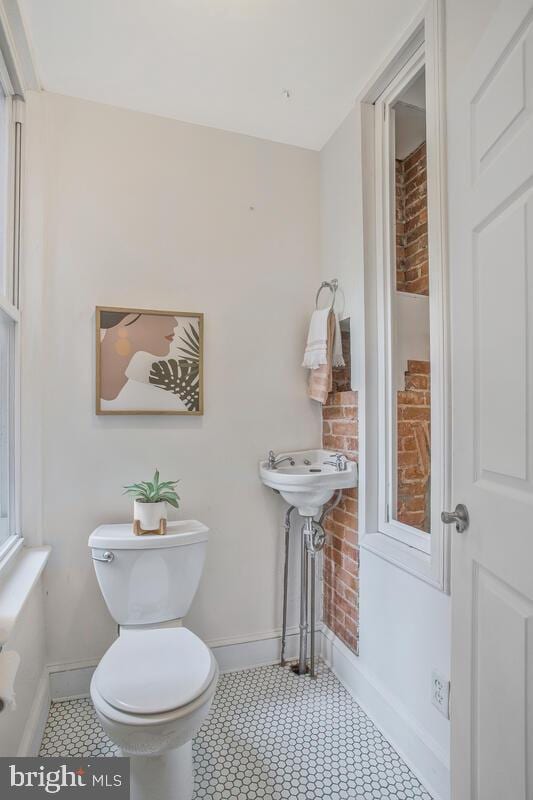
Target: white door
{"x": 491, "y": 287}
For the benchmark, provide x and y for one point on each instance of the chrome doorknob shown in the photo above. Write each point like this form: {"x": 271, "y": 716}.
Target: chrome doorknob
{"x": 459, "y": 516}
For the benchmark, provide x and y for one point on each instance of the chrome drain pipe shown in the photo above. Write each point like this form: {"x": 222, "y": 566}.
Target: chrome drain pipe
{"x": 285, "y": 585}
{"x": 329, "y": 509}
{"x": 312, "y": 559}
{"x": 313, "y": 539}
{"x": 307, "y": 529}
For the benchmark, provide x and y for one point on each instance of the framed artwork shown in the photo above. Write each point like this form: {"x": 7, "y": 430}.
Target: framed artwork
{"x": 149, "y": 362}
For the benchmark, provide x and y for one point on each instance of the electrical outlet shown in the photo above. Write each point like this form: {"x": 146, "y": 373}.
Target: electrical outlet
{"x": 440, "y": 693}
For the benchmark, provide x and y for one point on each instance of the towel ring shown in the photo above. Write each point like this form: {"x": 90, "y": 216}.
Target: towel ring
{"x": 332, "y": 285}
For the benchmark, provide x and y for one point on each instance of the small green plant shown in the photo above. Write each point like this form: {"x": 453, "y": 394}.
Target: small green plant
{"x": 154, "y": 491}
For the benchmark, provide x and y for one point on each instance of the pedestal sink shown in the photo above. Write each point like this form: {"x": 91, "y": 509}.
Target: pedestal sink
{"x": 311, "y": 480}
{"x": 306, "y": 479}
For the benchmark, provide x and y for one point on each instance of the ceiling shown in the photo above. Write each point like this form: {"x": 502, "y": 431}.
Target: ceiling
{"x": 221, "y": 63}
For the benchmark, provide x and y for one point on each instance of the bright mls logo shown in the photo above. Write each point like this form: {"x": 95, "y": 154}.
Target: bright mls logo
{"x": 98, "y": 777}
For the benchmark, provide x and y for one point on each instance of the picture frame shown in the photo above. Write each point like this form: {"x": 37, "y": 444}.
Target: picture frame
{"x": 149, "y": 362}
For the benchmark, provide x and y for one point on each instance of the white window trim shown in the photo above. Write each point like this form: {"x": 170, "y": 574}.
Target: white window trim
{"x": 9, "y": 546}
{"x": 386, "y": 264}
{"x": 423, "y": 555}
{"x": 9, "y": 298}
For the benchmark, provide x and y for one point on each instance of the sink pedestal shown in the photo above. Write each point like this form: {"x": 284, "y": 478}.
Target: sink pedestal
{"x": 312, "y": 541}
{"x": 301, "y": 667}
{"x": 311, "y": 480}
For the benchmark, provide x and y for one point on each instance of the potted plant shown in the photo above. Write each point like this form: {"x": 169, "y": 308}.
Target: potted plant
{"x": 150, "y": 503}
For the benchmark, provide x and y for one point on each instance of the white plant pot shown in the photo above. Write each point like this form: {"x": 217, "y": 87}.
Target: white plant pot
{"x": 149, "y": 515}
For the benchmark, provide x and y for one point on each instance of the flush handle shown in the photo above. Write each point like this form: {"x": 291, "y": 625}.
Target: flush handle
{"x": 107, "y": 557}
{"x": 459, "y": 517}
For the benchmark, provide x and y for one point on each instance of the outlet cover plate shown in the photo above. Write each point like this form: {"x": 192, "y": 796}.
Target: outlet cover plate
{"x": 440, "y": 693}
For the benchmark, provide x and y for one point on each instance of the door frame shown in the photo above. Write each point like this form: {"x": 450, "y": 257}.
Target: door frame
{"x": 426, "y": 34}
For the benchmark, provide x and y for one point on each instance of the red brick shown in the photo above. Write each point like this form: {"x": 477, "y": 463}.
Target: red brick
{"x": 351, "y": 444}
{"x": 341, "y": 556}
{"x": 344, "y": 518}
{"x": 333, "y": 442}
{"x": 348, "y": 504}
{"x": 414, "y": 503}
{"x": 414, "y": 518}
{"x": 409, "y": 398}
{"x": 418, "y": 367}
{"x": 412, "y": 473}
{"x": 344, "y": 428}
{"x": 332, "y": 412}
{"x": 407, "y": 459}
{"x": 416, "y": 381}
{"x": 420, "y": 286}
{"x": 406, "y": 443}
{"x": 414, "y": 412}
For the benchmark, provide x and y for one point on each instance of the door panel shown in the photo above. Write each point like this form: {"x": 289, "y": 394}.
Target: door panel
{"x": 491, "y": 289}
{"x": 502, "y": 642}
{"x": 504, "y": 98}
{"x": 501, "y": 274}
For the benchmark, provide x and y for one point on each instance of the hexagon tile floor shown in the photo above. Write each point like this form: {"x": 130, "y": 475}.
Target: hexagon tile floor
{"x": 270, "y": 734}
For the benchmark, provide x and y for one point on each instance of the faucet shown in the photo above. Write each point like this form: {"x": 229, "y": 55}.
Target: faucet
{"x": 273, "y": 462}
{"x": 340, "y": 462}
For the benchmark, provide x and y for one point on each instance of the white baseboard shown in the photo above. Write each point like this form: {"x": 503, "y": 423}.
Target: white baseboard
{"x": 233, "y": 655}
{"x": 72, "y": 680}
{"x": 30, "y": 742}
{"x": 416, "y": 746}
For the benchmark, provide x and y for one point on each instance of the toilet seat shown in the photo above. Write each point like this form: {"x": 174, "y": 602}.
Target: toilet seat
{"x": 146, "y": 721}
{"x": 153, "y": 672}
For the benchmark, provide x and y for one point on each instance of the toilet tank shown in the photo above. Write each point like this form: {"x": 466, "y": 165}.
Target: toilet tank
{"x": 150, "y": 578}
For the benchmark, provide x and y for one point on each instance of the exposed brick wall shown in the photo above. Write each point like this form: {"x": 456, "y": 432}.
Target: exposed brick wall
{"x": 341, "y": 552}
{"x": 412, "y": 265}
{"x": 414, "y": 447}
{"x": 400, "y": 227}
{"x": 342, "y": 381}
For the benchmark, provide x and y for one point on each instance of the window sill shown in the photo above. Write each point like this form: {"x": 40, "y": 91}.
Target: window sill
{"x": 17, "y": 579}
{"x": 411, "y": 560}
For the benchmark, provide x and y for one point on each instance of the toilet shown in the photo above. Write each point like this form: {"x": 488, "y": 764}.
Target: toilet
{"x": 154, "y": 686}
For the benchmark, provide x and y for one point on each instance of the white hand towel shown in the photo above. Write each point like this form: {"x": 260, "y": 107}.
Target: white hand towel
{"x": 338, "y": 358}
{"x": 316, "y": 349}
{"x": 9, "y": 664}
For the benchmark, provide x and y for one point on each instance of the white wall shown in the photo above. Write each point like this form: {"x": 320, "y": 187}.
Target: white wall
{"x": 411, "y": 339}
{"x": 410, "y": 129}
{"x": 17, "y": 727}
{"x": 341, "y": 229}
{"x": 404, "y": 623}
{"x": 142, "y": 211}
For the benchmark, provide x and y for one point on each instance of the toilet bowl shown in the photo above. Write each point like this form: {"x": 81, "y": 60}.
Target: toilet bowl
{"x": 153, "y": 688}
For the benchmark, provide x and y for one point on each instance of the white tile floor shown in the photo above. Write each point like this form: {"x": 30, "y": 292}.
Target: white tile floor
{"x": 270, "y": 734}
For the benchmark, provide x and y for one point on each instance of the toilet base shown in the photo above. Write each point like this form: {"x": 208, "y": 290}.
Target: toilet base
{"x": 165, "y": 777}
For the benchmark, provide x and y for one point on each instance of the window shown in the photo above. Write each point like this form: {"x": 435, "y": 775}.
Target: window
{"x": 4, "y": 164}
{"x": 7, "y": 427}
{"x": 10, "y": 144}
{"x": 405, "y": 418}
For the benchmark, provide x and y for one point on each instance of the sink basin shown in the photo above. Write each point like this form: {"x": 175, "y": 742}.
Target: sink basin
{"x": 309, "y": 483}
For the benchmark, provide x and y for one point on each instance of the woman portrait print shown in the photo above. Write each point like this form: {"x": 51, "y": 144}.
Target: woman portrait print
{"x": 148, "y": 362}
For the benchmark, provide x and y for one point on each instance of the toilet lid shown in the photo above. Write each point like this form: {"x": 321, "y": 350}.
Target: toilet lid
{"x": 153, "y": 671}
